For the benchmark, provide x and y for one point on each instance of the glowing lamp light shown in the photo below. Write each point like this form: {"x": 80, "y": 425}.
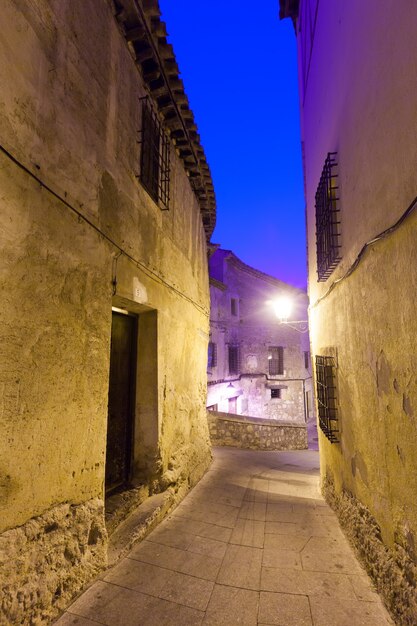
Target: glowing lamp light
{"x": 283, "y": 308}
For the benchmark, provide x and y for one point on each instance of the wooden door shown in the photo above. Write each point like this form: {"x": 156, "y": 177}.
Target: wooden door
{"x": 121, "y": 401}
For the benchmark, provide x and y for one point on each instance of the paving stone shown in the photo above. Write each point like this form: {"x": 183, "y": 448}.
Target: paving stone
{"x": 339, "y": 561}
{"x": 182, "y": 561}
{"x": 261, "y": 548}
{"x": 284, "y": 609}
{"x": 363, "y": 588}
{"x": 74, "y": 620}
{"x": 335, "y": 612}
{"x": 116, "y": 606}
{"x": 253, "y": 510}
{"x": 286, "y": 559}
{"x": 276, "y": 513}
{"x": 171, "y": 537}
{"x": 187, "y": 590}
{"x": 257, "y": 490}
{"x": 201, "y": 529}
{"x": 208, "y": 547}
{"x": 138, "y": 576}
{"x": 231, "y": 497}
{"x": 307, "y": 583}
{"x": 282, "y": 528}
{"x": 230, "y": 605}
{"x": 220, "y": 514}
{"x": 248, "y": 532}
{"x": 328, "y": 544}
{"x": 241, "y": 567}
{"x": 286, "y": 542}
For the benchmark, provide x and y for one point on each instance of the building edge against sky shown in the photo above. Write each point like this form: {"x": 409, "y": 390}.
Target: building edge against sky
{"x": 357, "y": 68}
{"x": 257, "y": 367}
{"x": 104, "y": 271}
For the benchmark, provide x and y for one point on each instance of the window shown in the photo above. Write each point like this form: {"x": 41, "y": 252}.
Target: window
{"x": 212, "y": 407}
{"x": 233, "y": 359}
{"x": 275, "y": 393}
{"x": 327, "y": 220}
{"x": 212, "y": 355}
{"x": 307, "y": 360}
{"x": 154, "y": 156}
{"x": 326, "y": 397}
{"x": 276, "y": 360}
{"x": 233, "y": 306}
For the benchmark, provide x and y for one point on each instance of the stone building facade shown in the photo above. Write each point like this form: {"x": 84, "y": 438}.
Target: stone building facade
{"x": 257, "y": 367}
{"x": 357, "y": 68}
{"x": 106, "y": 203}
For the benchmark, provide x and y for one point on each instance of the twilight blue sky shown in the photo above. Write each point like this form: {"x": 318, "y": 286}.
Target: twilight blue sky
{"x": 239, "y": 67}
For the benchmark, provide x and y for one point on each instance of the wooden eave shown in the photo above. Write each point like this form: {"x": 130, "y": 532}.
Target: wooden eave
{"x": 145, "y": 33}
{"x": 289, "y": 8}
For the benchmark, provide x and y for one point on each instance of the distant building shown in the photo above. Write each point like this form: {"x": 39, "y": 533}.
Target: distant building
{"x": 358, "y": 97}
{"x": 256, "y": 366}
{"x": 106, "y": 205}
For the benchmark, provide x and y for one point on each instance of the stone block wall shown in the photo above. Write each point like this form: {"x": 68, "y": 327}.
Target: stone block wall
{"x": 254, "y": 433}
{"x": 50, "y": 557}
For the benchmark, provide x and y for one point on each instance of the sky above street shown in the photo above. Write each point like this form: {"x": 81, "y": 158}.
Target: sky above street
{"x": 239, "y": 67}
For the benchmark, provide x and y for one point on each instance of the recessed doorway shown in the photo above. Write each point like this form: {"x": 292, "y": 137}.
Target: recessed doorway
{"x": 121, "y": 401}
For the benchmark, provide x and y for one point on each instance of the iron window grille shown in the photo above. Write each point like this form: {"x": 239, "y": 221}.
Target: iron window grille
{"x": 212, "y": 355}
{"x": 154, "y": 156}
{"x": 275, "y": 393}
{"x": 326, "y": 397}
{"x": 234, "y": 360}
{"x": 276, "y": 360}
{"x": 328, "y": 219}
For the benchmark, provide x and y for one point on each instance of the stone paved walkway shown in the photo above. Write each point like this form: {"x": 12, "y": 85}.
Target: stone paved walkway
{"x": 252, "y": 544}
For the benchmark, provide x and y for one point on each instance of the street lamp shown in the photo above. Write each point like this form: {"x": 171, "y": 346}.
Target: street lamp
{"x": 283, "y": 307}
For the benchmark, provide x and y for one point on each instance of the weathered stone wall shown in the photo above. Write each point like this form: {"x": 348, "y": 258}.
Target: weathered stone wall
{"x": 255, "y": 434}
{"x": 367, "y": 319}
{"x": 254, "y": 328}
{"x": 393, "y": 570}
{"x": 80, "y": 235}
{"x": 50, "y": 556}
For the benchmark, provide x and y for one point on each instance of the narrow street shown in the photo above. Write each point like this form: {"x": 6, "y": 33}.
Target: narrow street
{"x": 252, "y": 544}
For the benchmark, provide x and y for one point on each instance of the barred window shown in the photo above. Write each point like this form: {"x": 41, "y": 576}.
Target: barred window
{"x": 328, "y": 219}
{"x": 276, "y": 360}
{"x": 154, "y": 156}
{"x": 212, "y": 355}
{"x": 326, "y": 397}
{"x": 233, "y": 359}
{"x": 275, "y": 393}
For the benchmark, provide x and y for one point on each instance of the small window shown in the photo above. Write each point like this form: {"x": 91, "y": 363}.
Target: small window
{"x": 276, "y": 360}
{"x": 154, "y": 156}
{"x": 328, "y": 219}
{"x": 212, "y": 355}
{"x": 275, "y": 393}
{"x": 307, "y": 360}
{"x": 233, "y": 359}
{"x": 234, "y": 306}
{"x": 326, "y": 397}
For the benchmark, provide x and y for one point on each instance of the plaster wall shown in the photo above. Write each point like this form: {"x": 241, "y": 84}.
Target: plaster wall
{"x": 80, "y": 235}
{"x": 359, "y": 100}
